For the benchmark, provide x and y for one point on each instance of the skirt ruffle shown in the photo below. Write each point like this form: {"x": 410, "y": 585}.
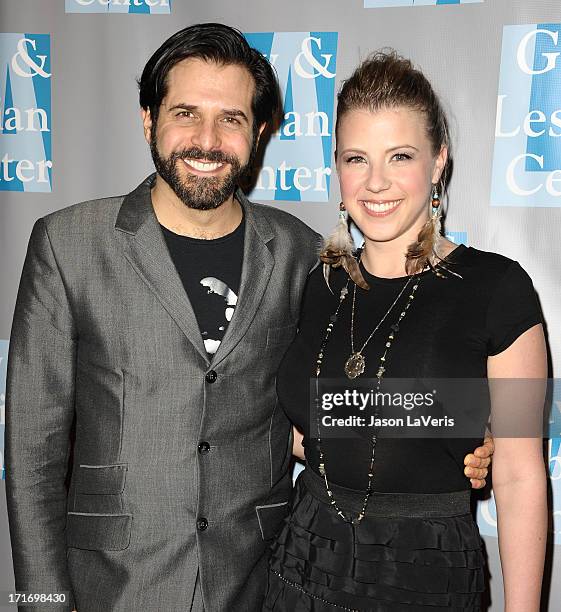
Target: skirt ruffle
{"x": 320, "y": 563}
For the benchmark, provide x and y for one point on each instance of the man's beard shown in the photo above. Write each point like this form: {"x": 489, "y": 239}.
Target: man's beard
{"x": 200, "y": 192}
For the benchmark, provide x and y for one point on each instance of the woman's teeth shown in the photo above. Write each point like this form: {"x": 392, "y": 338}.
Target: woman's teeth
{"x": 381, "y": 207}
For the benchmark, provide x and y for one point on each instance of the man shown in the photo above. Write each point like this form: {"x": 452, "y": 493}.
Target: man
{"x": 155, "y": 323}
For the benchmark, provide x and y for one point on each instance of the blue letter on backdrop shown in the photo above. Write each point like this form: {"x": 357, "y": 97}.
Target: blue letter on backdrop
{"x": 527, "y": 158}
{"x": 390, "y": 3}
{"x": 297, "y": 163}
{"x": 146, "y": 7}
{"x": 25, "y": 106}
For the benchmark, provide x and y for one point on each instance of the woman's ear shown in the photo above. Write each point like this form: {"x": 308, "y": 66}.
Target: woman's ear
{"x": 440, "y": 164}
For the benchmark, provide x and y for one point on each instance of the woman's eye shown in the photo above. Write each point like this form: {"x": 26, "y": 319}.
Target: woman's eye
{"x": 354, "y": 159}
{"x": 401, "y": 156}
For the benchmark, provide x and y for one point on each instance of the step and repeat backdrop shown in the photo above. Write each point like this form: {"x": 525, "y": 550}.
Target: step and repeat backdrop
{"x": 70, "y": 130}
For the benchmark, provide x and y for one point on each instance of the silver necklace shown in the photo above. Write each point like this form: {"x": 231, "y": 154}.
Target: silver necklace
{"x": 356, "y": 363}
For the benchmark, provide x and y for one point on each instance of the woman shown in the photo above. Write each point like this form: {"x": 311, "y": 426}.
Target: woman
{"x": 380, "y": 524}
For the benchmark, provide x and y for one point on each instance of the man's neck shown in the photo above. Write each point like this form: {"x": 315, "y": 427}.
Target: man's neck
{"x": 203, "y": 224}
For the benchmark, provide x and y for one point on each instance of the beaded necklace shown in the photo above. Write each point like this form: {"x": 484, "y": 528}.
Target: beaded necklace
{"x": 356, "y": 363}
{"x": 416, "y": 279}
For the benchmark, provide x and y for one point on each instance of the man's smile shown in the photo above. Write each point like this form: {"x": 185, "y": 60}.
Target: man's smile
{"x": 203, "y": 166}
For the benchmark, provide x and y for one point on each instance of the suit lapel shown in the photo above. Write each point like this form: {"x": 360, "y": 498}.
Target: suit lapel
{"x": 146, "y": 250}
{"x": 258, "y": 263}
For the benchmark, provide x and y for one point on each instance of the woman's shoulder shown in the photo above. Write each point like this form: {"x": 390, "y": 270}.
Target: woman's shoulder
{"x": 502, "y": 286}
{"x": 473, "y": 257}
{"x": 485, "y": 265}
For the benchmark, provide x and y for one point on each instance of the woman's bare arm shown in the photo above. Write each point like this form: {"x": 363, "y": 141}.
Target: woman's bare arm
{"x": 519, "y": 476}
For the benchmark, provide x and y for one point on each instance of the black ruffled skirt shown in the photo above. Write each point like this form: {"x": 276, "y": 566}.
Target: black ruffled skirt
{"x": 411, "y": 552}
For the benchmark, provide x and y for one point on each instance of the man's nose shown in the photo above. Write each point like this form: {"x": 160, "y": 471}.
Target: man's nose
{"x": 207, "y": 136}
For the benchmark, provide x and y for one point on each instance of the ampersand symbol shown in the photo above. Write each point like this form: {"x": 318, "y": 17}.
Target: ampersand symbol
{"x": 306, "y": 53}
{"x": 29, "y": 61}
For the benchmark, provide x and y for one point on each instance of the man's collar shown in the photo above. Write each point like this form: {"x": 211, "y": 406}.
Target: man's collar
{"x": 137, "y": 208}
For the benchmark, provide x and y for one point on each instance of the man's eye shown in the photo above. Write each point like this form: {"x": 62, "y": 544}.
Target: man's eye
{"x": 187, "y": 114}
{"x": 231, "y": 120}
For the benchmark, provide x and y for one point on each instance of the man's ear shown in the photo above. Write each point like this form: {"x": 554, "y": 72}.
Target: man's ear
{"x": 259, "y": 132}
{"x": 146, "y": 123}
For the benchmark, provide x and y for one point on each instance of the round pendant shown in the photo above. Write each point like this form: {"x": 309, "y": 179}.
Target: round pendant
{"x": 355, "y": 365}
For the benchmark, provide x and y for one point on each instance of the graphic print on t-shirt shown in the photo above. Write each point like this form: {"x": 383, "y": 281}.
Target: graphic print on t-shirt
{"x": 214, "y": 332}
{"x": 210, "y": 271}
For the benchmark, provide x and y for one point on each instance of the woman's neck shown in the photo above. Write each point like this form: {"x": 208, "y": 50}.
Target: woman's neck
{"x": 384, "y": 259}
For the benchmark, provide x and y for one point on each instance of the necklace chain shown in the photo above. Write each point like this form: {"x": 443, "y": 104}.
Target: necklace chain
{"x": 379, "y": 323}
{"x": 379, "y": 374}
{"x": 356, "y": 363}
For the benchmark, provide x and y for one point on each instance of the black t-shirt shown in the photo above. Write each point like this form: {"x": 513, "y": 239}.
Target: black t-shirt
{"x": 210, "y": 271}
{"x": 451, "y": 328}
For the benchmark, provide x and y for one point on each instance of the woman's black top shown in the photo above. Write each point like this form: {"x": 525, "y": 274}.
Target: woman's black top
{"x": 452, "y": 327}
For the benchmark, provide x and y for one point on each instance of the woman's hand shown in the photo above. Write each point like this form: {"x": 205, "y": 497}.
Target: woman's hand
{"x": 297, "y": 447}
{"x": 477, "y": 463}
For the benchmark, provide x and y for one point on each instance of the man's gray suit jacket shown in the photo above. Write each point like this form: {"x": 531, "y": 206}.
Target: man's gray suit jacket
{"x": 105, "y": 349}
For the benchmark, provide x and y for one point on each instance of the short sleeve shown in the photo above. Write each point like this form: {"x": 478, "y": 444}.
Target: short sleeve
{"x": 513, "y": 309}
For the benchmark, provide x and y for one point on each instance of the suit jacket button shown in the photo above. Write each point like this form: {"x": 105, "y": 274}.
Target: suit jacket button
{"x": 202, "y": 523}
{"x": 211, "y": 376}
{"x": 204, "y": 448}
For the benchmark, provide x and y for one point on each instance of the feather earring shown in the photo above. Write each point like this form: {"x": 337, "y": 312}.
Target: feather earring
{"x": 436, "y": 223}
{"x": 339, "y": 249}
{"x": 436, "y": 228}
{"x": 436, "y": 215}
{"x": 340, "y": 238}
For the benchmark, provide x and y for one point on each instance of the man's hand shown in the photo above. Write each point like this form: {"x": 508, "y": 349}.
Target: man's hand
{"x": 477, "y": 463}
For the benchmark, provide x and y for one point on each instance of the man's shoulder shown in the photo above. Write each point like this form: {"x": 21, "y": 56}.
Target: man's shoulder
{"x": 292, "y": 234}
{"x": 280, "y": 220}
{"x": 88, "y": 215}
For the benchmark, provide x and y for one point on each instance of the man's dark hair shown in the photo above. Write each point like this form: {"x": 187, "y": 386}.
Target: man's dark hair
{"x": 217, "y": 43}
